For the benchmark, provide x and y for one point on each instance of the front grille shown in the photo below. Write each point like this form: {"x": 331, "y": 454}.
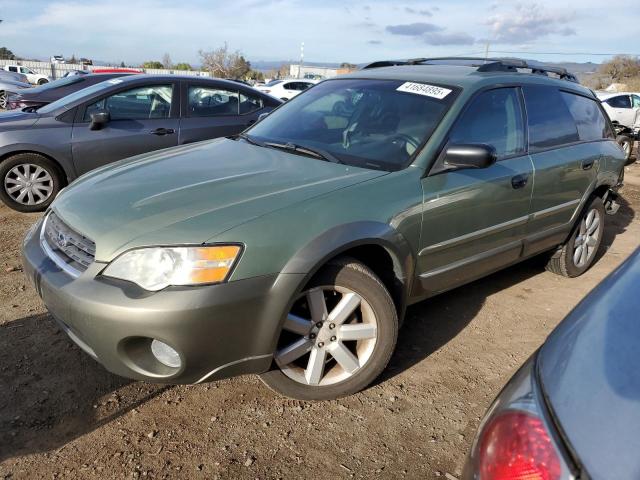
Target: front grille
{"x": 69, "y": 249}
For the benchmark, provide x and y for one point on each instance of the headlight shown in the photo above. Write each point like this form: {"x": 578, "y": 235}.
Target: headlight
{"x": 156, "y": 268}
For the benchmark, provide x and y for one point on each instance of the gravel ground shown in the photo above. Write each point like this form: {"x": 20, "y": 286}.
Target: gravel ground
{"x": 63, "y": 416}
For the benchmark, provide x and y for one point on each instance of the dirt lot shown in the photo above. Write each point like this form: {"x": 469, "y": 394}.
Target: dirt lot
{"x": 63, "y": 416}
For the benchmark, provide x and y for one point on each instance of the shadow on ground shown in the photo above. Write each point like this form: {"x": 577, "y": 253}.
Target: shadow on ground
{"x": 52, "y": 392}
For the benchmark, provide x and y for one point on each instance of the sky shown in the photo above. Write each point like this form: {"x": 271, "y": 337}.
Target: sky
{"x": 134, "y": 31}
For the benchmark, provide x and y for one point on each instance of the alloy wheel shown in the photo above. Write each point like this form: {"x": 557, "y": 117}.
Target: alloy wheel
{"x": 3, "y": 100}
{"x": 328, "y": 336}
{"x": 28, "y": 184}
{"x": 586, "y": 241}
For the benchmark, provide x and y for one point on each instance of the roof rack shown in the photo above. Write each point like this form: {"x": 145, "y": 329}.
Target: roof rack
{"x": 483, "y": 65}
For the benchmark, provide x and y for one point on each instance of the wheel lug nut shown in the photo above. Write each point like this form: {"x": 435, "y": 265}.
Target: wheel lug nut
{"x": 312, "y": 336}
{"x": 333, "y": 339}
{"x": 332, "y": 326}
{"x": 319, "y": 324}
{"x": 321, "y": 344}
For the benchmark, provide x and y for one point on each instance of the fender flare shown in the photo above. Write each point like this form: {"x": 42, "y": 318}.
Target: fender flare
{"x": 17, "y": 148}
{"x": 316, "y": 253}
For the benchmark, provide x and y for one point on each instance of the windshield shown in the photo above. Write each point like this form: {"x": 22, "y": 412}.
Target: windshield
{"x": 69, "y": 99}
{"x": 61, "y": 82}
{"x": 376, "y": 124}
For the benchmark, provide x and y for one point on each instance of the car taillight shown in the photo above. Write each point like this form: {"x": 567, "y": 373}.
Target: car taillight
{"x": 515, "y": 445}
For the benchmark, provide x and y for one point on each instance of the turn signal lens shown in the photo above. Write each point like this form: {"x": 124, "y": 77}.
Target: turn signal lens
{"x": 515, "y": 445}
{"x": 157, "y": 268}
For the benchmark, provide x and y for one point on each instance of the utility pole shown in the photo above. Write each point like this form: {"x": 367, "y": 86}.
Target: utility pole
{"x": 301, "y": 60}
{"x": 486, "y": 51}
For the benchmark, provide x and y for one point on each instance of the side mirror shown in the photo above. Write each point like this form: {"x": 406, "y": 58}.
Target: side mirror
{"x": 99, "y": 120}
{"x": 262, "y": 116}
{"x": 470, "y": 156}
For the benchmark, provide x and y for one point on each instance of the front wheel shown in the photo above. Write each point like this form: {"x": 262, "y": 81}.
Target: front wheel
{"x": 3, "y": 99}
{"x": 578, "y": 253}
{"x": 626, "y": 143}
{"x": 338, "y": 336}
{"x": 42, "y": 81}
{"x": 30, "y": 182}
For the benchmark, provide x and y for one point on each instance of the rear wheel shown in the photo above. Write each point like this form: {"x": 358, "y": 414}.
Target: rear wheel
{"x": 42, "y": 81}
{"x": 579, "y": 252}
{"x": 338, "y": 336}
{"x": 626, "y": 143}
{"x": 30, "y": 182}
{"x": 3, "y": 99}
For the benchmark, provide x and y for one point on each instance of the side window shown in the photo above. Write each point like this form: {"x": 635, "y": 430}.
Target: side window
{"x": 621, "y": 101}
{"x": 25, "y": 70}
{"x": 290, "y": 86}
{"x": 13, "y": 69}
{"x": 636, "y": 101}
{"x": 493, "y": 118}
{"x": 140, "y": 103}
{"x": 211, "y": 101}
{"x": 588, "y": 117}
{"x": 550, "y": 122}
{"x": 249, "y": 103}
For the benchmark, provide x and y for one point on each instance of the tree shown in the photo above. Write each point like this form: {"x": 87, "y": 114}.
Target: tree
{"x": 6, "y": 54}
{"x": 73, "y": 58}
{"x": 348, "y": 66}
{"x": 182, "y": 66}
{"x": 122, "y": 65}
{"x": 223, "y": 63}
{"x": 166, "y": 61}
{"x": 153, "y": 64}
{"x": 621, "y": 67}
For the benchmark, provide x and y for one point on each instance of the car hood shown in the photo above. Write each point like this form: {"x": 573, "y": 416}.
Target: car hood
{"x": 589, "y": 372}
{"x": 188, "y": 194}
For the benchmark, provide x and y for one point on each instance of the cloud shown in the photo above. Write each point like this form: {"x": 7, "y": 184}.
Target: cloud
{"x": 438, "y": 38}
{"x": 529, "y": 22}
{"x": 374, "y": 42}
{"x": 413, "y": 11}
{"x": 413, "y": 29}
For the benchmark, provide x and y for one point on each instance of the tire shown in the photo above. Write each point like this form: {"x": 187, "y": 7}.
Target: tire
{"x": 42, "y": 81}
{"x": 340, "y": 283}
{"x": 13, "y": 172}
{"x": 626, "y": 143}
{"x": 572, "y": 261}
{"x": 3, "y": 100}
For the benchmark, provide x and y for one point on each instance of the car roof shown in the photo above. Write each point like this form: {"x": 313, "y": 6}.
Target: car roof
{"x": 141, "y": 78}
{"x": 462, "y": 76}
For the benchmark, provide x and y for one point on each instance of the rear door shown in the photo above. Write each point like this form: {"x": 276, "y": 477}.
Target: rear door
{"x": 212, "y": 111}
{"x": 563, "y": 127}
{"x": 474, "y": 220}
{"x": 622, "y": 110}
{"x": 144, "y": 118}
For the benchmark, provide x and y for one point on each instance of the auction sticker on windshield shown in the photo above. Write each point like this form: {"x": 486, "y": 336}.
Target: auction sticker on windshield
{"x": 424, "y": 89}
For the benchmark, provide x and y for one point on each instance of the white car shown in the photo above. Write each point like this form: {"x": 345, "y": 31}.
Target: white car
{"x": 286, "y": 89}
{"x": 32, "y": 77}
{"x": 623, "y": 108}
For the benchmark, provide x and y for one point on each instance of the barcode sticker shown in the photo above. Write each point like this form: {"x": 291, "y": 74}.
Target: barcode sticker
{"x": 424, "y": 89}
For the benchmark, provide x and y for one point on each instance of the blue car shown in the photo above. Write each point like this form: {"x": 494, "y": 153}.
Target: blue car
{"x": 573, "y": 410}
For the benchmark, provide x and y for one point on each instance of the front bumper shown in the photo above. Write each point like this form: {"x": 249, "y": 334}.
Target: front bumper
{"x": 219, "y": 331}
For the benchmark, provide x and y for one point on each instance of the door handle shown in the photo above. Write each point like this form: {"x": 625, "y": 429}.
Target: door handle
{"x": 162, "y": 131}
{"x": 587, "y": 164}
{"x": 519, "y": 181}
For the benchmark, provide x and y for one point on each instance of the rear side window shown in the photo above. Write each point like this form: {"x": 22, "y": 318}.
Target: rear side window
{"x": 620, "y": 102}
{"x": 212, "y": 101}
{"x": 588, "y": 117}
{"x": 493, "y": 118}
{"x": 550, "y": 121}
{"x": 249, "y": 103}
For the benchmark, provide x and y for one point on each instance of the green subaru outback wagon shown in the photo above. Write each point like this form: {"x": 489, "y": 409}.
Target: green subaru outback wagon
{"x": 293, "y": 250}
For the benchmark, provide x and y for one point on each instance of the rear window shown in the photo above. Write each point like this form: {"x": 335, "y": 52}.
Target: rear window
{"x": 550, "y": 121}
{"x": 619, "y": 102}
{"x": 588, "y": 117}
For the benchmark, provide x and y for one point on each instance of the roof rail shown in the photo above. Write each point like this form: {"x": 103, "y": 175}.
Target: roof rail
{"x": 483, "y": 65}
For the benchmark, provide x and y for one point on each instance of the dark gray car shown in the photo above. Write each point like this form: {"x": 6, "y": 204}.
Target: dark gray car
{"x": 43, "y": 150}
{"x": 573, "y": 410}
{"x": 50, "y": 92}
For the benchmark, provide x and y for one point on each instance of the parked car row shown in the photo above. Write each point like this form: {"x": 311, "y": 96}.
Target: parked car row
{"x": 291, "y": 246}
{"x": 286, "y": 89}
{"x": 33, "y": 78}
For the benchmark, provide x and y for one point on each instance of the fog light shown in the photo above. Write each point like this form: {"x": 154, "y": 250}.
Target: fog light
{"x": 165, "y": 354}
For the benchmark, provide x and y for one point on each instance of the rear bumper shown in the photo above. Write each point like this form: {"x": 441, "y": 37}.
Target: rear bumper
{"x": 219, "y": 331}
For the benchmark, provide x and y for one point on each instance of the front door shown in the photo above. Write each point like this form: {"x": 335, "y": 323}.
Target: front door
{"x": 474, "y": 220}
{"x": 142, "y": 119}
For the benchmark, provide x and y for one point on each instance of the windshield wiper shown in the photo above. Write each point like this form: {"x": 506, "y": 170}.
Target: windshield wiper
{"x": 303, "y": 149}
{"x": 247, "y": 138}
